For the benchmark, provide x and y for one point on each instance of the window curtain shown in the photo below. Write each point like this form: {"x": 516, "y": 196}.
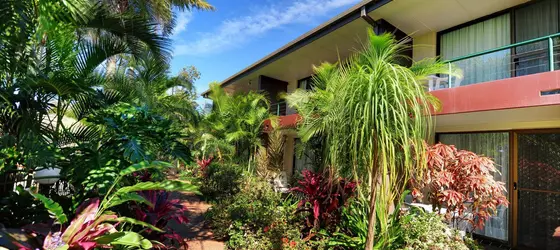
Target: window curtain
{"x": 495, "y": 146}
{"x": 485, "y": 35}
{"x": 534, "y": 21}
{"x": 304, "y": 159}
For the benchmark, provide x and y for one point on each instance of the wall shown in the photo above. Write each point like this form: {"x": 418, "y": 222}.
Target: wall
{"x": 424, "y": 46}
{"x": 292, "y": 86}
{"x": 289, "y": 150}
{"x": 516, "y": 92}
{"x": 507, "y": 119}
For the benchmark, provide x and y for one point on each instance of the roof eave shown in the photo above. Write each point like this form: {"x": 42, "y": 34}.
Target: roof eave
{"x": 340, "y": 20}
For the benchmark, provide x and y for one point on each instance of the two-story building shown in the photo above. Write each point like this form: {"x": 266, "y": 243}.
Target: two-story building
{"x": 506, "y": 106}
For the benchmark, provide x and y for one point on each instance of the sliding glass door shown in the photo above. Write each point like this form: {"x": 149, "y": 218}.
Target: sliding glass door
{"x": 538, "y": 194}
{"x": 495, "y": 146}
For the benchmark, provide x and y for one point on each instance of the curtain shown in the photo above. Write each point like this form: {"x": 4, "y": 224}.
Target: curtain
{"x": 304, "y": 158}
{"x": 534, "y": 21}
{"x": 495, "y": 146}
{"x": 485, "y": 35}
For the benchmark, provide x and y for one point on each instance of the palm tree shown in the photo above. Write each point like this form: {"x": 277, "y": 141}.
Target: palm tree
{"x": 49, "y": 59}
{"x": 144, "y": 81}
{"x": 159, "y": 11}
{"x": 238, "y": 119}
{"x": 374, "y": 115}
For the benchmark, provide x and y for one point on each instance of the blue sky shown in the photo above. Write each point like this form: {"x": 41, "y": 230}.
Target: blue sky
{"x": 222, "y": 42}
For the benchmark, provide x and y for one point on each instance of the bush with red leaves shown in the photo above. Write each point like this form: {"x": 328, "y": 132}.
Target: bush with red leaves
{"x": 324, "y": 197}
{"x": 461, "y": 181}
{"x": 163, "y": 210}
{"x": 203, "y": 166}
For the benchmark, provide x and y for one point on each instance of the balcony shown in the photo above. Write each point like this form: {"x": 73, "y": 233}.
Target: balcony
{"x": 521, "y": 75}
{"x": 278, "y": 108}
{"x": 520, "y": 59}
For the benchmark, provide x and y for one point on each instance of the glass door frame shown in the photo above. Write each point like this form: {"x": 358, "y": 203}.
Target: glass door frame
{"x": 514, "y": 177}
{"x": 512, "y": 188}
{"x": 512, "y": 171}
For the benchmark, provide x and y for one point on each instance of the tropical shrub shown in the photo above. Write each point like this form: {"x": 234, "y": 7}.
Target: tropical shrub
{"x": 96, "y": 226}
{"x": 20, "y": 208}
{"x": 463, "y": 183}
{"x": 203, "y": 165}
{"x": 221, "y": 180}
{"x": 162, "y": 210}
{"x": 351, "y": 232}
{"x": 428, "y": 231}
{"x": 257, "y": 218}
{"x": 323, "y": 197}
{"x": 237, "y": 119}
{"x": 373, "y": 114}
{"x": 254, "y": 207}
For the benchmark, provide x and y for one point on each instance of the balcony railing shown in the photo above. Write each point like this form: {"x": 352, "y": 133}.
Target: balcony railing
{"x": 278, "y": 108}
{"x": 524, "y": 58}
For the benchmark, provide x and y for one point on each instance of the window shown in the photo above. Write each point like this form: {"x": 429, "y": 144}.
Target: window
{"x": 305, "y": 83}
{"x": 518, "y": 24}
{"x": 495, "y": 146}
{"x": 485, "y": 35}
{"x": 304, "y": 158}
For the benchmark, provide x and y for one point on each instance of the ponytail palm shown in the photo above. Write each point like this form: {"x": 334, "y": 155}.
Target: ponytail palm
{"x": 374, "y": 114}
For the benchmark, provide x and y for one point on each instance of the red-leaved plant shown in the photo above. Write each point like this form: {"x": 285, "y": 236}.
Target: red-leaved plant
{"x": 163, "y": 210}
{"x": 324, "y": 196}
{"x": 203, "y": 165}
{"x": 84, "y": 229}
{"x": 463, "y": 183}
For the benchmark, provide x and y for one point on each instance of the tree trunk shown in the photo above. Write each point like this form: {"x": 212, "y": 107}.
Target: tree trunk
{"x": 370, "y": 240}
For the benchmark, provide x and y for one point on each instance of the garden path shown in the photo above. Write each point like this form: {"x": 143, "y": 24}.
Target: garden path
{"x": 196, "y": 231}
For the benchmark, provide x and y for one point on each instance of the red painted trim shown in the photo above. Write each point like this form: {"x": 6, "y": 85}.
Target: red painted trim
{"x": 286, "y": 121}
{"x": 516, "y": 92}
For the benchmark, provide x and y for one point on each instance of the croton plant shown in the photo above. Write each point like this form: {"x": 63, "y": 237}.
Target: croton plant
{"x": 463, "y": 183}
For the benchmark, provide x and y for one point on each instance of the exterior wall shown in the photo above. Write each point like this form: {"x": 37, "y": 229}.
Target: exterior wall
{"x": 424, "y": 46}
{"x": 516, "y": 92}
{"x": 289, "y": 151}
{"x": 508, "y": 119}
{"x": 292, "y": 86}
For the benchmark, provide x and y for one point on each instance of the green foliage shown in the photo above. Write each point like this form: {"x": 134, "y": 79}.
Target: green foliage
{"x": 471, "y": 243}
{"x": 352, "y": 231}
{"x": 54, "y": 208}
{"x": 10, "y": 157}
{"x": 221, "y": 180}
{"x": 126, "y": 135}
{"x": 94, "y": 221}
{"x": 374, "y": 115}
{"x": 20, "y": 208}
{"x": 128, "y": 239}
{"x": 428, "y": 231}
{"x": 138, "y": 134}
{"x": 237, "y": 119}
{"x": 257, "y": 218}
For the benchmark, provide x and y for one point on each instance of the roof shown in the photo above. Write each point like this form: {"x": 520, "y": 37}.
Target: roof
{"x": 336, "y": 22}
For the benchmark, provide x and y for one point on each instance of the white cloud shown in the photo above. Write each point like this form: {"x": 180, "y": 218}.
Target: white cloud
{"x": 239, "y": 30}
{"x": 183, "y": 20}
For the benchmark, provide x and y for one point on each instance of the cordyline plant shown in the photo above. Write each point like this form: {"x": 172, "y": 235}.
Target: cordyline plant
{"x": 162, "y": 211}
{"x": 95, "y": 226}
{"x": 463, "y": 183}
{"x": 203, "y": 165}
{"x": 324, "y": 197}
